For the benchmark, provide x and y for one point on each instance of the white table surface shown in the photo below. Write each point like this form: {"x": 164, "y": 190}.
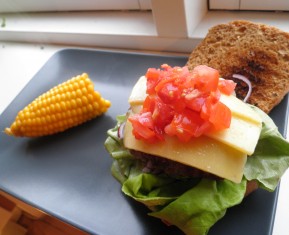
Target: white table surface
{"x": 18, "y": 64}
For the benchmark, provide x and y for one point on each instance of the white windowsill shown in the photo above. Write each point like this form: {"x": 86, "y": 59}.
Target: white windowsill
{"x": 112, "y": 29}
{"x": 97, "y": 22}
{"x": 125, "y": 30}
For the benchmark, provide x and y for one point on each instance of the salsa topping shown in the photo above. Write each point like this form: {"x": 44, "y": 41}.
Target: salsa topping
{"x": 182, "y": 103}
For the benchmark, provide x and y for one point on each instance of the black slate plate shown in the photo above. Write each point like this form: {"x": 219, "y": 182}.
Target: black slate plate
{"x": 68, "y": 174}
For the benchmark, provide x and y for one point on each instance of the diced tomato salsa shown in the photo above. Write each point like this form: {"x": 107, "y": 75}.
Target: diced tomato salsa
{"x": 182, "y": 103}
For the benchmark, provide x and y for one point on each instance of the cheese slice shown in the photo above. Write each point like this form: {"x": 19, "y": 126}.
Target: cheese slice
{"x": 138, "y": 93}
{"x": 242, "y": 135}
{"x": 240, "y": 109}
{"x": 203, "y": 153}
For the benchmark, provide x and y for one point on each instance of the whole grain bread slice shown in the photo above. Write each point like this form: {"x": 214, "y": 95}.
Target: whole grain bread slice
{"x": 256, "y": 51}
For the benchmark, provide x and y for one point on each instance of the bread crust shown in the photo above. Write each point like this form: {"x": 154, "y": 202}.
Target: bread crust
{"x": 257, "y": 51}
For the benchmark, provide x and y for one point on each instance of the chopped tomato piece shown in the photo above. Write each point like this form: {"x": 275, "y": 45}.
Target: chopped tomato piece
{"x": 162, "y": 114}
{"x": 206, "y": 78}
{"x": 220, "y": 116}
{"x": 186, "y": 125}
{"x": 195, "y": 100}
{"x": 215, "y": 96}
{"x": 142, "y": 126}
{"x": 182, "y": 104}
{"x": 181, "y": 126}
{"x": 152, "y": 76}
{"x": 227, "y": 86}
{"x": 206, "y": 109}
{"x": 165, "y": 66}
{"x": 149, "y": 104}
{"x": 169, "y": 93}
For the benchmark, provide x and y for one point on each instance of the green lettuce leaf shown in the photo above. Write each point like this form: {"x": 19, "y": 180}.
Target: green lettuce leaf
{"x": 271, "y": 157}
{"x": 199, "y": 208}
{"x": 154, "y": 190}
{"x": 113, "y": 143}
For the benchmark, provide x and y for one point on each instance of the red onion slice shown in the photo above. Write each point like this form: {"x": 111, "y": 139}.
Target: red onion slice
{"x": 120, "y": 131}
{"x": 247, "y": 81}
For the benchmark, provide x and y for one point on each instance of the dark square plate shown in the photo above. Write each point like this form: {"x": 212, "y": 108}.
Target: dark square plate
{"x": 68, "y": 174}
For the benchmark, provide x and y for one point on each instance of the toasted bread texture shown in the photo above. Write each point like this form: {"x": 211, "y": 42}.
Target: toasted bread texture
{"x": 256, "y": 51}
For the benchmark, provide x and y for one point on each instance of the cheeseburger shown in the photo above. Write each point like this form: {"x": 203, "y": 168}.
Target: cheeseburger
{"x": 188, "y": 149}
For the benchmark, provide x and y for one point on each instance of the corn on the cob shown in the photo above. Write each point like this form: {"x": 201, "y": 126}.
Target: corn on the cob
{"x": 64, "y": 106}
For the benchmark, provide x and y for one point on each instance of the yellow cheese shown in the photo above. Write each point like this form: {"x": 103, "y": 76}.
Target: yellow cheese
{"x": 138, "y": 93}
{"x": 242, "y": 135}
{"x": 203, "y": 153}
{"x": 240, "y": 109}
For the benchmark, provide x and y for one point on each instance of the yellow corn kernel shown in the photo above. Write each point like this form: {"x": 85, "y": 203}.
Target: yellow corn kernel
{"x": 64, "y": 106}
